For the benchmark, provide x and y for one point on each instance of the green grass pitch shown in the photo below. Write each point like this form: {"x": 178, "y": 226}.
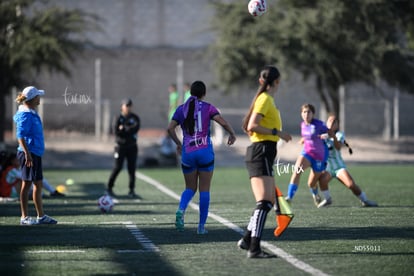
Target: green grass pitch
{"x": 138, "y": 237}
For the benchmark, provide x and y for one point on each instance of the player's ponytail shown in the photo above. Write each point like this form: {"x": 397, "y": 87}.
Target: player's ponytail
{"x": 20, "y": 98}
{"x": 197, "y": 90}
{"x": 189, "y": 119}
{"x": 336, "y": 120}
{"x": 267, "y": 76}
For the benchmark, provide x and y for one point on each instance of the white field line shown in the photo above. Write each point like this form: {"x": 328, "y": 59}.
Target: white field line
{"x": 55, "y": 251}
{"x": 133, "y": 229}
{"x": 141, "y": 238}
{"x": 274, "y": 249}
{"x": 138, "y": 235}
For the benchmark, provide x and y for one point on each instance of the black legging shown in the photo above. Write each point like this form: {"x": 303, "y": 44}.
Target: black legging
{"x": 131, "y": 154}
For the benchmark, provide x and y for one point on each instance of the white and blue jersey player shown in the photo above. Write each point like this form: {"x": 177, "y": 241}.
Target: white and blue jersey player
{"x": 336, "y": 167}
{"x": 335, "y": 163}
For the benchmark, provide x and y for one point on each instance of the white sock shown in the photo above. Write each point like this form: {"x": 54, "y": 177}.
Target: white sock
{"x": 326, "y": 194}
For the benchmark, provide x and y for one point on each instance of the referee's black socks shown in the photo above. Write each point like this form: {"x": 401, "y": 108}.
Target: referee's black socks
{"x": 257, "y": 223}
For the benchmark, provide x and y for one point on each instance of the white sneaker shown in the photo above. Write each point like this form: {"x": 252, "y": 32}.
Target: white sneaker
{"x": 369, "y": 203}
{"x": 28, "y": 221}
{"x": 325, "y": 203}
{"x": 317, "y": 199}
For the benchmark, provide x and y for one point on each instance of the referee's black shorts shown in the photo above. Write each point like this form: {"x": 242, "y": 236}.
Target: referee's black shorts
{"x": 260, "y": 157}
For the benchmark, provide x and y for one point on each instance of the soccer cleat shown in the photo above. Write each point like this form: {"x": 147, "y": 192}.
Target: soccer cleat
{"x": 369, "y": 203}
{"x": 110, "y": 193}
{"x": 317, "y": 199}
{"x": 179, "y": 220}
{"x": 259, "y": 255}
{"x": 46, "y": 220}
{"x": 132, "y": 194}
{"x": 201, "y": 230}
{"x": 28, "y": 221}
{"x": 288, "y": 200}
{"x": 56, "y": 194}
{"x": 325, "y": 203}
{"x": 242, "y": 244}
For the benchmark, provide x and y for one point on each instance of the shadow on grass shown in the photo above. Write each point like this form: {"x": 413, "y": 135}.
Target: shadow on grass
{"x": 347, "y": 233}
{"x": 78, "y": 206}
{"x": 32, "y": 250}
{"x": 54, "y": 159}
{"x": 100, "y": 243}
{"x": 84, "y": 202}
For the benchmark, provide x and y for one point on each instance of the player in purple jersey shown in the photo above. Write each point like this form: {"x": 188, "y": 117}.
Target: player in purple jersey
{"x": 314, "y": 153}
{"x": 197, "y": 154}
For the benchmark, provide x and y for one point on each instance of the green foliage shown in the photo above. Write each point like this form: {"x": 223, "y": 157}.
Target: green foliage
{"x": 241, "y": 46}
{"x": 39, "y": 38}
{"x": 34, "y": 36}
{"x": 336, "y": 42}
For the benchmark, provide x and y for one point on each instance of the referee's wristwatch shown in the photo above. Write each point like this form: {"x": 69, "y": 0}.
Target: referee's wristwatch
{"x": 274, "y": 131}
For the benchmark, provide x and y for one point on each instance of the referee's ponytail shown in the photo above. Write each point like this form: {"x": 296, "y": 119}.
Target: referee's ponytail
{"x": 267, "y": 77}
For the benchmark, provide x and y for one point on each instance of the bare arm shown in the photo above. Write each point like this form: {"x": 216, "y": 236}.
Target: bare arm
{"x": 337, "y": 144}
{"x": 171, "y": 131}
{"x": 29, "y": 160}
{"x": 254, "y": 126}
{"x": 232, "y": 136}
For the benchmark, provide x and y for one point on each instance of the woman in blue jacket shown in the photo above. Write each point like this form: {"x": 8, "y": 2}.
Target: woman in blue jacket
{"x": 29, "y": 133}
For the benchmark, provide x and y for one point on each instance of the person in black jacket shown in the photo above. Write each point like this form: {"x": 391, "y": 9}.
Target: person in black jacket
{"x": 126, "y": 127}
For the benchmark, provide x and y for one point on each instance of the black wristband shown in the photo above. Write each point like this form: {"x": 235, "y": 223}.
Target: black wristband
{"x": 274, "y": 131}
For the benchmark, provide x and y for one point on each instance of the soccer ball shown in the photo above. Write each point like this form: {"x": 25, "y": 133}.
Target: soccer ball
{"x": 257, "y": 7}
{"x": 105, "y": 204}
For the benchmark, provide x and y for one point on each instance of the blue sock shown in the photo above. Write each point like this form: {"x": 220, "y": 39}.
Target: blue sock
{"x": 204, "y": 204}
{"x": 314, "y": 191}
{"x": 292, "y": 190}
{"x": 186, "y": 197}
